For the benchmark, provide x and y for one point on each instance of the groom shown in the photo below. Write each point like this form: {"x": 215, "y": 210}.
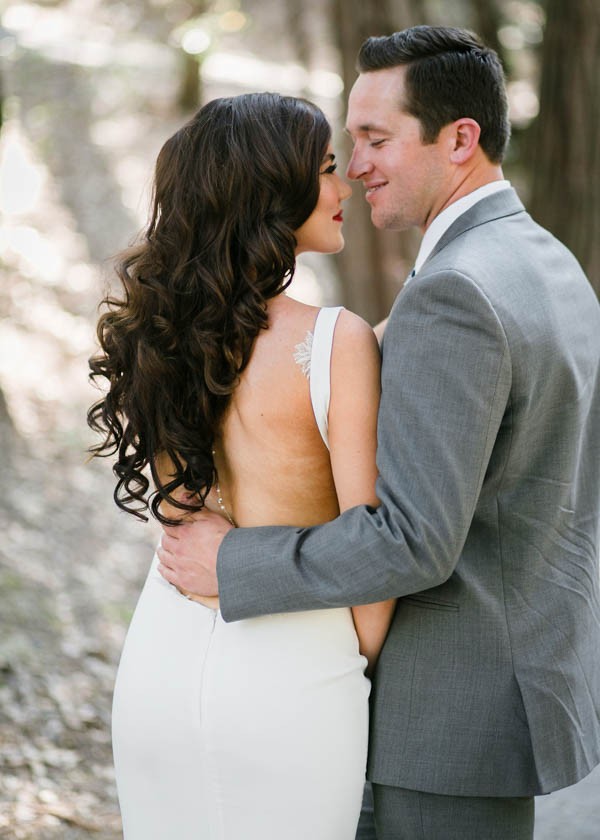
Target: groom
{"x": 487, "y": 690}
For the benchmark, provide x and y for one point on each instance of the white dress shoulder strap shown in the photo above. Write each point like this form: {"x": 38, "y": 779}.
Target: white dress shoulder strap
{"x": 320, "y": 367}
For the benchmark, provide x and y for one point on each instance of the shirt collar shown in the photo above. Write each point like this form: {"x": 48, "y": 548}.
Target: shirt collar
{"x": 442, "y": 222}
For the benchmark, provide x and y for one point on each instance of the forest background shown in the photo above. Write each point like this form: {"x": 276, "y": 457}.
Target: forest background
{"x": 90, "y": 90}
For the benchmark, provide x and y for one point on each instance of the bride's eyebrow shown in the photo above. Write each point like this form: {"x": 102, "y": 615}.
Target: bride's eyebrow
{"x": 329, "y": 158}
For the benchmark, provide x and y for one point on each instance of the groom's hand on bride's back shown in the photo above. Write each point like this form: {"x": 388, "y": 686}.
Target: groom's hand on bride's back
{"x": 188, "y": 553}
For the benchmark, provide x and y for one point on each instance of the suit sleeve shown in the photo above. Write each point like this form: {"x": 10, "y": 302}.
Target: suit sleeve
{"x": 446, "y": 380}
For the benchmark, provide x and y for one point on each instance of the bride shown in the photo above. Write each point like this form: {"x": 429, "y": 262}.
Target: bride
{"x": 235, "y": 396}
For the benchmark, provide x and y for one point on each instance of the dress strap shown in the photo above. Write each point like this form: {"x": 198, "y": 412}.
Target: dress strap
{"x": 320, "y": 367}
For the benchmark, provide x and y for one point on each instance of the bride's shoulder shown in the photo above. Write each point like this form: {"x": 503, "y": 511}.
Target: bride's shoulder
{"x": 353, "y": 335}
{"x": 286, "y": 312}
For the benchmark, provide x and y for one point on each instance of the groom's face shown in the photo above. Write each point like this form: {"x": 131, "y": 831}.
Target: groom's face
{"x": 405, "y": 179}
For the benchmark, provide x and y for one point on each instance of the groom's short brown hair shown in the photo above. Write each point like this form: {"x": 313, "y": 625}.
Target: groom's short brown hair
{"x": 450, "y": 74}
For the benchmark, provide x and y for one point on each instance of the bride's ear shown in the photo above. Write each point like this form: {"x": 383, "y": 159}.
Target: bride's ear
{"x": 463, "y": 140}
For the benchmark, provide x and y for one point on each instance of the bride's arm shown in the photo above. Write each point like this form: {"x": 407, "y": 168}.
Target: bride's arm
{"x": 355, "y": 392}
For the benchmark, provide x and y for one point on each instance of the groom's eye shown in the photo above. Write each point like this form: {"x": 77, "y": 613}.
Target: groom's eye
{"x": 377, "y": 142}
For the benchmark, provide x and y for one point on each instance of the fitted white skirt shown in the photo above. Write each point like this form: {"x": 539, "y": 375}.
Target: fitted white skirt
{"x": 253, "y": 730}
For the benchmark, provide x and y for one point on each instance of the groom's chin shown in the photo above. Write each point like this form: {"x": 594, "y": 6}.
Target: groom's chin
{"x": 381, "y": 222}
{"x": 378, "y": 218}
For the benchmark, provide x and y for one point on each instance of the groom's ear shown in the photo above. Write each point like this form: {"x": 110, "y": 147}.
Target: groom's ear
{"x": 464, "y": 139}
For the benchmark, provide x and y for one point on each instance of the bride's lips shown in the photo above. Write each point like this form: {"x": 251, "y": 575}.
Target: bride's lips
{"x": 339, "y": 217}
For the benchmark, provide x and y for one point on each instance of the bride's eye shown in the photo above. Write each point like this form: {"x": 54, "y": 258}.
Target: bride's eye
{"x": 330, "y": 169}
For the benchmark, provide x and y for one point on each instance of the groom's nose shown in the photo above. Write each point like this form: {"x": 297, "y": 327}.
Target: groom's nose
{"x": 358, "y": 165}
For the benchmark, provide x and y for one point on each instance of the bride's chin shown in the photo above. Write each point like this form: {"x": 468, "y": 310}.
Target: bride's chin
{"x": 337, "y": 244}
{"x": 333, "y": 247}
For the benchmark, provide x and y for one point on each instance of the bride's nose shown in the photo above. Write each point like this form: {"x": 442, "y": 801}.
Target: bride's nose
{"x": 345, "y": 190}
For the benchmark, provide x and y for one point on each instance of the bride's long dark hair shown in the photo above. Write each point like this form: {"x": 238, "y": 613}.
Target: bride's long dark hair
{"x": 230, "y": 189}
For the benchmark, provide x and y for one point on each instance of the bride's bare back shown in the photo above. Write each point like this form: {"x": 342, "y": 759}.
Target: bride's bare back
{"x": 273, "y": 466}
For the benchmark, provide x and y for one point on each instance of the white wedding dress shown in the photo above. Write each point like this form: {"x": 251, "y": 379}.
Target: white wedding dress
{"x": 253, "y": 730}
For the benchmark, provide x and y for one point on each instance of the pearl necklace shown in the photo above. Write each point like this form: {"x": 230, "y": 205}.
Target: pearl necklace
{"x": 220, "y": 501}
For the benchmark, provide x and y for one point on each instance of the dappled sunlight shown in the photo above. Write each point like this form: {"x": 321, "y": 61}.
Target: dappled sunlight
{"x": 28, "y": 240}
{"x": 523, "y": 102}
{"x": 255, "y": 73}
{"x": 34, "y": 253}
{"x": 32, "y": 371}
{"x": 43, "y": 345}
{"x": 21, "y": 178}
{"x": 62, "y": 35}
{"x": 195, "y": 41}
{"x": 22, "y": 181}
{"x": 526, "y": 25}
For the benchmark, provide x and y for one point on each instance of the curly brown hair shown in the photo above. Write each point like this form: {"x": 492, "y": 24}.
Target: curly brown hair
{"x": 230, "y": 188}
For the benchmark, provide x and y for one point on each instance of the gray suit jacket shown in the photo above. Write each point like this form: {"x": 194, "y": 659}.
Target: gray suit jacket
{"x": 488, "y": 531}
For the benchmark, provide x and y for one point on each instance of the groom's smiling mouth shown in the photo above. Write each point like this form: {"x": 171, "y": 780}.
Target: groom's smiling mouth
{"x": 373, "y": 188}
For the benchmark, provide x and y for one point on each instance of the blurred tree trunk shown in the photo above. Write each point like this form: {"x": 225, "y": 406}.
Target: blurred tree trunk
{"x": 487, "y": 15}
{"x": 296, "y": 11}
{"x": 7, "y": 434}
{"x": 564, "y": 157}
{"x": 189, "y": 94}
{"x": 374, "y": 263}
{"x": 4, "y": 415}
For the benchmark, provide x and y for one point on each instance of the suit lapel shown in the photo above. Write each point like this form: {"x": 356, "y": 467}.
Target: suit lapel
{"x": 496, "y": 206}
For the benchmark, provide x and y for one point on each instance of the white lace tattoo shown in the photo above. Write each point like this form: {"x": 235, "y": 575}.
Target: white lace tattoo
{"x": 303, "y": 353}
